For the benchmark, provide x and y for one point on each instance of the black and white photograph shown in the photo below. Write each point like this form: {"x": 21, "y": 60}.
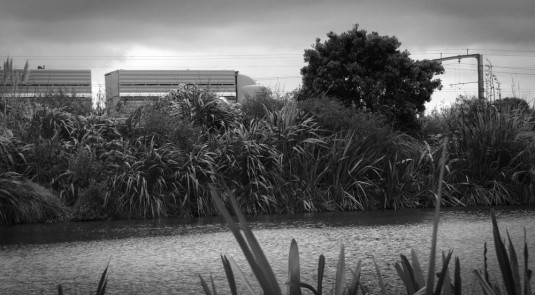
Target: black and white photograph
{"x": 267, "y": 147}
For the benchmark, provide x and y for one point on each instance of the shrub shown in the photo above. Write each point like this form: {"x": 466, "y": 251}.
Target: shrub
{"x": 435, "y": 126}
{"x": 195, "y": 172}
{"x": 83, "y": 169}
{"x": 91, "y": 203}
{"x": 492, "y": 152}
{"x": 250, "y": 163}
{"x": 156, "y": 125}
{"x": 93, "y": 131}
{"x": 185, "y": 136}
{"x": 60, "y": 99}
{"x": 201, "y": 107}
{"x": 11, "y": 159}
{"x": 509, "y": 104}
{"x": 333, "y": 116}
{"x": 48, "y": 123}
{"x": 159, "y": 125}
{"x": 142, "y": 179}
{"x": 46, "y": 160}
{"x": 23, "y": 201}
{"x": 258, "y": 107}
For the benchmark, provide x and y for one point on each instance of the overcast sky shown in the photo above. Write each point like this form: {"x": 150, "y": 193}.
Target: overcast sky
{"x": 265, "y": 39}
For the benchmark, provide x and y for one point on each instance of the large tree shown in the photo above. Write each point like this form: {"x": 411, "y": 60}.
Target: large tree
{"x": 368, "y": 71}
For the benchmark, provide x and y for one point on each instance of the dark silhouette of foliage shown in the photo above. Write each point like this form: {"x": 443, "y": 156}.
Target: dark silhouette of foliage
{"x": 512, "y": 103}
{"x": 368, "y": 71}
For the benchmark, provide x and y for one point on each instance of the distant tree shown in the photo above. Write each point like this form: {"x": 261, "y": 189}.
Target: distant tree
{"x": 368, "y": 71}
{"x": 511, "y": 103}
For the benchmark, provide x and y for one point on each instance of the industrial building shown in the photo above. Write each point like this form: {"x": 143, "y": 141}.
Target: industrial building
{"x": 134, "y": 88}
{"x": 40, "y": 82}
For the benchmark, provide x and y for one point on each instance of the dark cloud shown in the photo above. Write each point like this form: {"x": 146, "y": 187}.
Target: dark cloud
{"x": 166, "y": 22}
{"x": 114, "y": 27}
{"x": 264, "y": 22}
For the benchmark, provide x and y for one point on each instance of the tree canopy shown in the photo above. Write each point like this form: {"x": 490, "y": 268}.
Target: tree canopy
{"x": 368, "y": 71}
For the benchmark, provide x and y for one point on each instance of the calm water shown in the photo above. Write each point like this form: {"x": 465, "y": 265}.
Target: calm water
{"x": 166, "y": 256}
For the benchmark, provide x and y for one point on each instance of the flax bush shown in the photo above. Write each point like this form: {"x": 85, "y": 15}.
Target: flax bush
{"x": 23, "y": 201}
{"x": 251, "y": 163}
{"x": 494, "y": 152}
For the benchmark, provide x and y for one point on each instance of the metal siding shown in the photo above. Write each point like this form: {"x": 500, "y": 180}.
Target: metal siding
{"x": 112, "y": 84}
{"x": 43, "y": 81}
{"x": 112, "y": 89}
{"x": 152, "y": 81}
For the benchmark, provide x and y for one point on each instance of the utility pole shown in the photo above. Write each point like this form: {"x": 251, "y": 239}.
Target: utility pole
{"x": 479, "y": 58}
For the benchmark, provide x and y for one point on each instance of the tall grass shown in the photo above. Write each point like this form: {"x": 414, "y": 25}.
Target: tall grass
{"x": 140, "y": 186}
{"x": 23, "y": 201}
{"x": 494, "y": 152}
{"x": 193, "y": 176}
{"x": 250, "y": 162}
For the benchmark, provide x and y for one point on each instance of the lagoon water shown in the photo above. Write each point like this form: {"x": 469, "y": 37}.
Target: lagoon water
{"x": 166, "y": 256}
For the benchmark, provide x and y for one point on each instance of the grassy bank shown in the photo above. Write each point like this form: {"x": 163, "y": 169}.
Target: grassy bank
{"x": 276, "y": 155}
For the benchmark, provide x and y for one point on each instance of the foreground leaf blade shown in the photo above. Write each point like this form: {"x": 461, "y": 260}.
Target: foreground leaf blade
{"x": 355, "y": 281}
{"x": 270, "y": 284}
{"x": 252, "y": 251}
{"x": 205, "y": 286}
{"x": 410, "y": 272}
{"x": 503, "y": 259}
{"x": 487, "y": 289}
{"x": 514, "y": 264}
{"x": 527, "y": 272}
{"x": 340, "y": 273}
{"x": 230, "y": 275}
{"x": 321, "y": 270}
{"x": 101, "y": 289}
{"x": 457, "y": 277}
{"x": 239, "y": 272}
{"x": 293, "y": 269}
{"x": 418, "y": 273}
{"x": 443, "y": 273}
{"x": 379, "y": 276}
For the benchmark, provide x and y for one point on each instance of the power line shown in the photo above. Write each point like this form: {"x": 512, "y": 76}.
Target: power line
{"x": 502, "y": 50}
{"x": 278, "y": 78}
{"x": 152, "y": 57}
{"x": 444, "y": 50}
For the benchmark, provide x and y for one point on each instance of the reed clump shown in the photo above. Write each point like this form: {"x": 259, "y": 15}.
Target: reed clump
{"x": 277, "y": 155}
{"x": 23, "y": 201}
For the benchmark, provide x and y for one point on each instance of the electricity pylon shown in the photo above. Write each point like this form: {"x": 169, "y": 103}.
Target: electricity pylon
{"x": 479, "y": 58}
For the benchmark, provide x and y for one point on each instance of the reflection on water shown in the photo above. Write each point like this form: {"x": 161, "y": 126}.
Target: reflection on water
{"x": 167, "y": 255}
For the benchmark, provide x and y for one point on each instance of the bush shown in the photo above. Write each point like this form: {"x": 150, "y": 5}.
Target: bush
{"x": 200, "y": 107}
{"x": 493, "y": 152}
{"x": 333, "y": 116}
{"x": 259, "y": 106}
{"x": 23, "y": 201}
{"x": 509, "y": 104}
{"x": 251, "y": 164}
{"x": 46, "y": 160}
{"x": 83, "y": 169}
{"x": 68, "y": 102}
{"x": 435, "y": 126}
{"x": 161, "y": 127}
{"x": 91, "y": 203}
{"x": 49, "y": 123}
